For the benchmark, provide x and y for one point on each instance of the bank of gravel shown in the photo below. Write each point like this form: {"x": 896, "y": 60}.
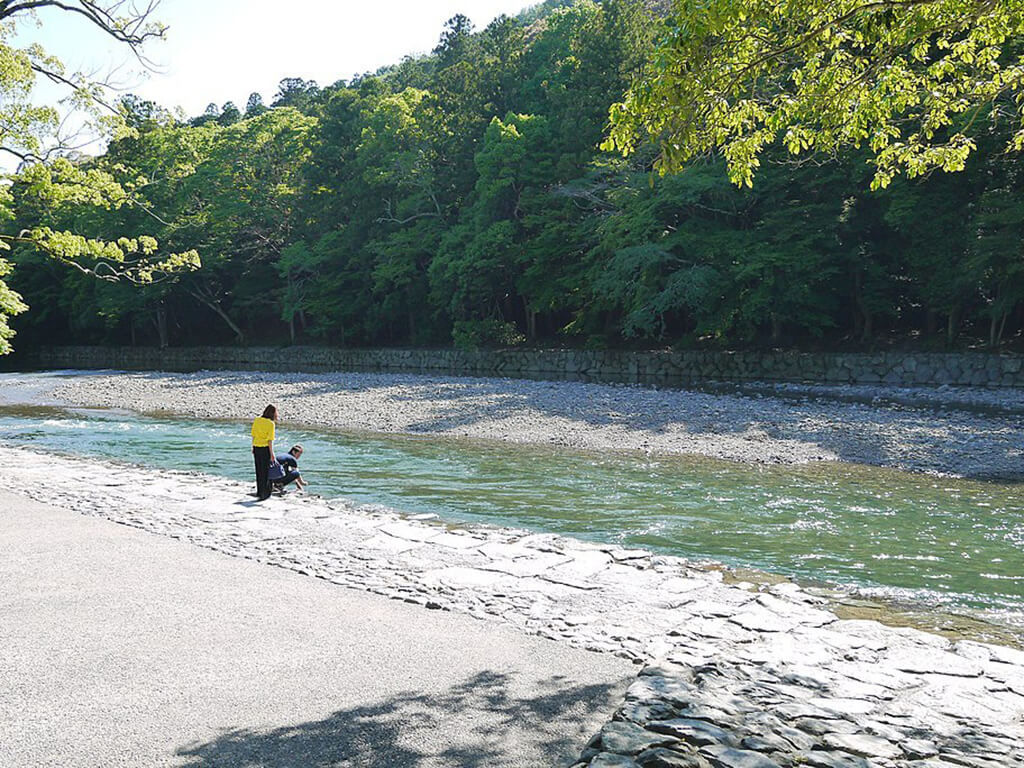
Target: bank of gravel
{"x": 920, "y": 430}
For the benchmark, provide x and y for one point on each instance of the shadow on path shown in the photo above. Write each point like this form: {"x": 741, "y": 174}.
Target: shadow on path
{"x": 483, "y": 721}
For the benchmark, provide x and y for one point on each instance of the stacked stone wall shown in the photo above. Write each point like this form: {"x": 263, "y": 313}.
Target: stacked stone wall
{"x": 660, "y": 367}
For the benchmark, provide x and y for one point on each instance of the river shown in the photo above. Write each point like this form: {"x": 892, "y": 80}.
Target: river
{"x": 920, "y": 540}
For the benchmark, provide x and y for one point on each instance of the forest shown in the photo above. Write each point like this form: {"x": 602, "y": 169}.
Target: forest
{"x": 462, "y": 198}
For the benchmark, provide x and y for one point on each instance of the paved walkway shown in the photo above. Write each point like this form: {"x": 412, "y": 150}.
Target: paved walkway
{"x": 118, "y": 647}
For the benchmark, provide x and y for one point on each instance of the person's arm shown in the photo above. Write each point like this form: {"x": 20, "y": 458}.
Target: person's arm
{"x": 270, "y": 444}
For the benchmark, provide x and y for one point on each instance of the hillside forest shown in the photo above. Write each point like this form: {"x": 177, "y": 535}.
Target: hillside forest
{"x": 461, "y": 197}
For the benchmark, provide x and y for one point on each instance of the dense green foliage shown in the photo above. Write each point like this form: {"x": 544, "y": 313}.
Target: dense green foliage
{"x": 462, "y": 197}
{"x": 908, "y": 80}
{"x": 35, "y": 135}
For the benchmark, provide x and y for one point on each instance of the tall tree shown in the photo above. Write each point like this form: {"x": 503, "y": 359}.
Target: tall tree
{"x": 904, "y": 79}
{"x": 296, "y": 92}
{"x": 32, "y": 133}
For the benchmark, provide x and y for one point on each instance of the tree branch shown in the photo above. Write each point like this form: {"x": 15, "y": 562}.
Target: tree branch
{"x": 133, "y": 29}
{"x": 390, "y": 218}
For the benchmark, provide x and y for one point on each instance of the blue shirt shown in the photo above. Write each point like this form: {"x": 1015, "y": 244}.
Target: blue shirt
{"x": 284, "y": 461}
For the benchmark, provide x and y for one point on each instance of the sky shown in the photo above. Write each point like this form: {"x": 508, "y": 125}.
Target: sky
{"x": 223, "y": 50}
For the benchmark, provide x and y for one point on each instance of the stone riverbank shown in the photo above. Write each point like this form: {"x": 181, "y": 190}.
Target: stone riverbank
{"x": 650, "y": 367}
{"x": 975, "y": 433}
{"x": 731, "y": 675}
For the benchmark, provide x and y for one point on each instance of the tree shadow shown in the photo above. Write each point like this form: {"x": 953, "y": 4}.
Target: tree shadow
{"x": 483, "y": 721}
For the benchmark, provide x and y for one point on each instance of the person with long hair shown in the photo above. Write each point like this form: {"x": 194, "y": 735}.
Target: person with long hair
{"x": 263, "y": 449}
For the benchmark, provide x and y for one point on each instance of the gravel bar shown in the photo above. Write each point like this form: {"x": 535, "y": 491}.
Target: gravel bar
{"x": 904, "y": 429}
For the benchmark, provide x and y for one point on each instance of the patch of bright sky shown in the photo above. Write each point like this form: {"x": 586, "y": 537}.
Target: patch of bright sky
{"x": 223, "y": 50}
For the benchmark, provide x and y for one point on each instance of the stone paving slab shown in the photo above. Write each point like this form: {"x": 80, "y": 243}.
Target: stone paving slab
{"x": 784, "y": 679}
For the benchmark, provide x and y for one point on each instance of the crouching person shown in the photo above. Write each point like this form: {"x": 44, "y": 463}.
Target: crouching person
{"x": 287, "y": 470}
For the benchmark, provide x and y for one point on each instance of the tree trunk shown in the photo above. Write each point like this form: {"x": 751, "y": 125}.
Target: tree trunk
{"x": 160, "y": 321}
{"x": 220, "y": 313}
{"x": 863, "y": 325}
{"x": 531, "y": 324}
{"x": 291, "y": 315}
{"x": 776, "y": 327}
{"x": 530, "y": 318}
{"x": 996, "y": 326}
{"x": 952, "y": 325}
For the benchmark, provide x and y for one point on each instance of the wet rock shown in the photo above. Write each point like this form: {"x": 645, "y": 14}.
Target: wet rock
{"x": 817, "y": 727}
{"x": 853, "y": 707}
{"x": 626, "y": 738}
{"x": 798, "y": 739}
{"x": 611, "y": 760}
{"x": 765, "y": 742}
{"x": 895, "y": 735}
{"x": 696, "y": 732}
{"x": 662, "y": 689}
{"x": 918, "y": 749}
{"x": 794, "y": 710}
{"x": 722, "y": 756}
{"x": 668, "y": 670}
{"x": 716, "y": 711}
{"x": 975, "y": 760}
{"x": 862, "y": 744}
{"x": 640, "y": 712}
{"x": 660, "y": 757}
{"x": 823, "y": 759}
{"x": 627, "y": 555}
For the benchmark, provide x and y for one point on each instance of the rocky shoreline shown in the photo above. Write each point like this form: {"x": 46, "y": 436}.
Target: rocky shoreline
{"x": 734, "y": 675}
{"x": 962, "y": 432}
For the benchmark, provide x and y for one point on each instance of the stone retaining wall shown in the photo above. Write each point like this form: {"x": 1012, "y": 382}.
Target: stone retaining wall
{"x": 664, "y": 368}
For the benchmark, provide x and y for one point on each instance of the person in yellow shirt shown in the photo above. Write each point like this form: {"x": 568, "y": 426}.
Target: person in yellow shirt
{"x": 263, "y": 449}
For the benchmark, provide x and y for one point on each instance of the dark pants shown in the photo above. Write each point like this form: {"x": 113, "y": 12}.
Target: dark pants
{"x": 262, "y": 459}
{"x": 289, "y": 477}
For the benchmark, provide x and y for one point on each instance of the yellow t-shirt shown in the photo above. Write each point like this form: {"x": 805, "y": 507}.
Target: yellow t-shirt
{"x": 262, "y": 432}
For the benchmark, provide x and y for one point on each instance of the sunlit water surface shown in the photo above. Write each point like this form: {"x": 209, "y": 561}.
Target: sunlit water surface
{"x": 926, "y": 540}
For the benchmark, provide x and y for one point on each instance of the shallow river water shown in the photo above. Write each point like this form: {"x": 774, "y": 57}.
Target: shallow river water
{"x": 929, "y": 541}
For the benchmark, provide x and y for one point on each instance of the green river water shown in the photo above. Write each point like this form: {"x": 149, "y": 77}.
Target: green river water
{"x": 924, "y": 541}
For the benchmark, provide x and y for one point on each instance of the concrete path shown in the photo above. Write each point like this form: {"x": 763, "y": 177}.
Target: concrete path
{"x": 118, "y": 647}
